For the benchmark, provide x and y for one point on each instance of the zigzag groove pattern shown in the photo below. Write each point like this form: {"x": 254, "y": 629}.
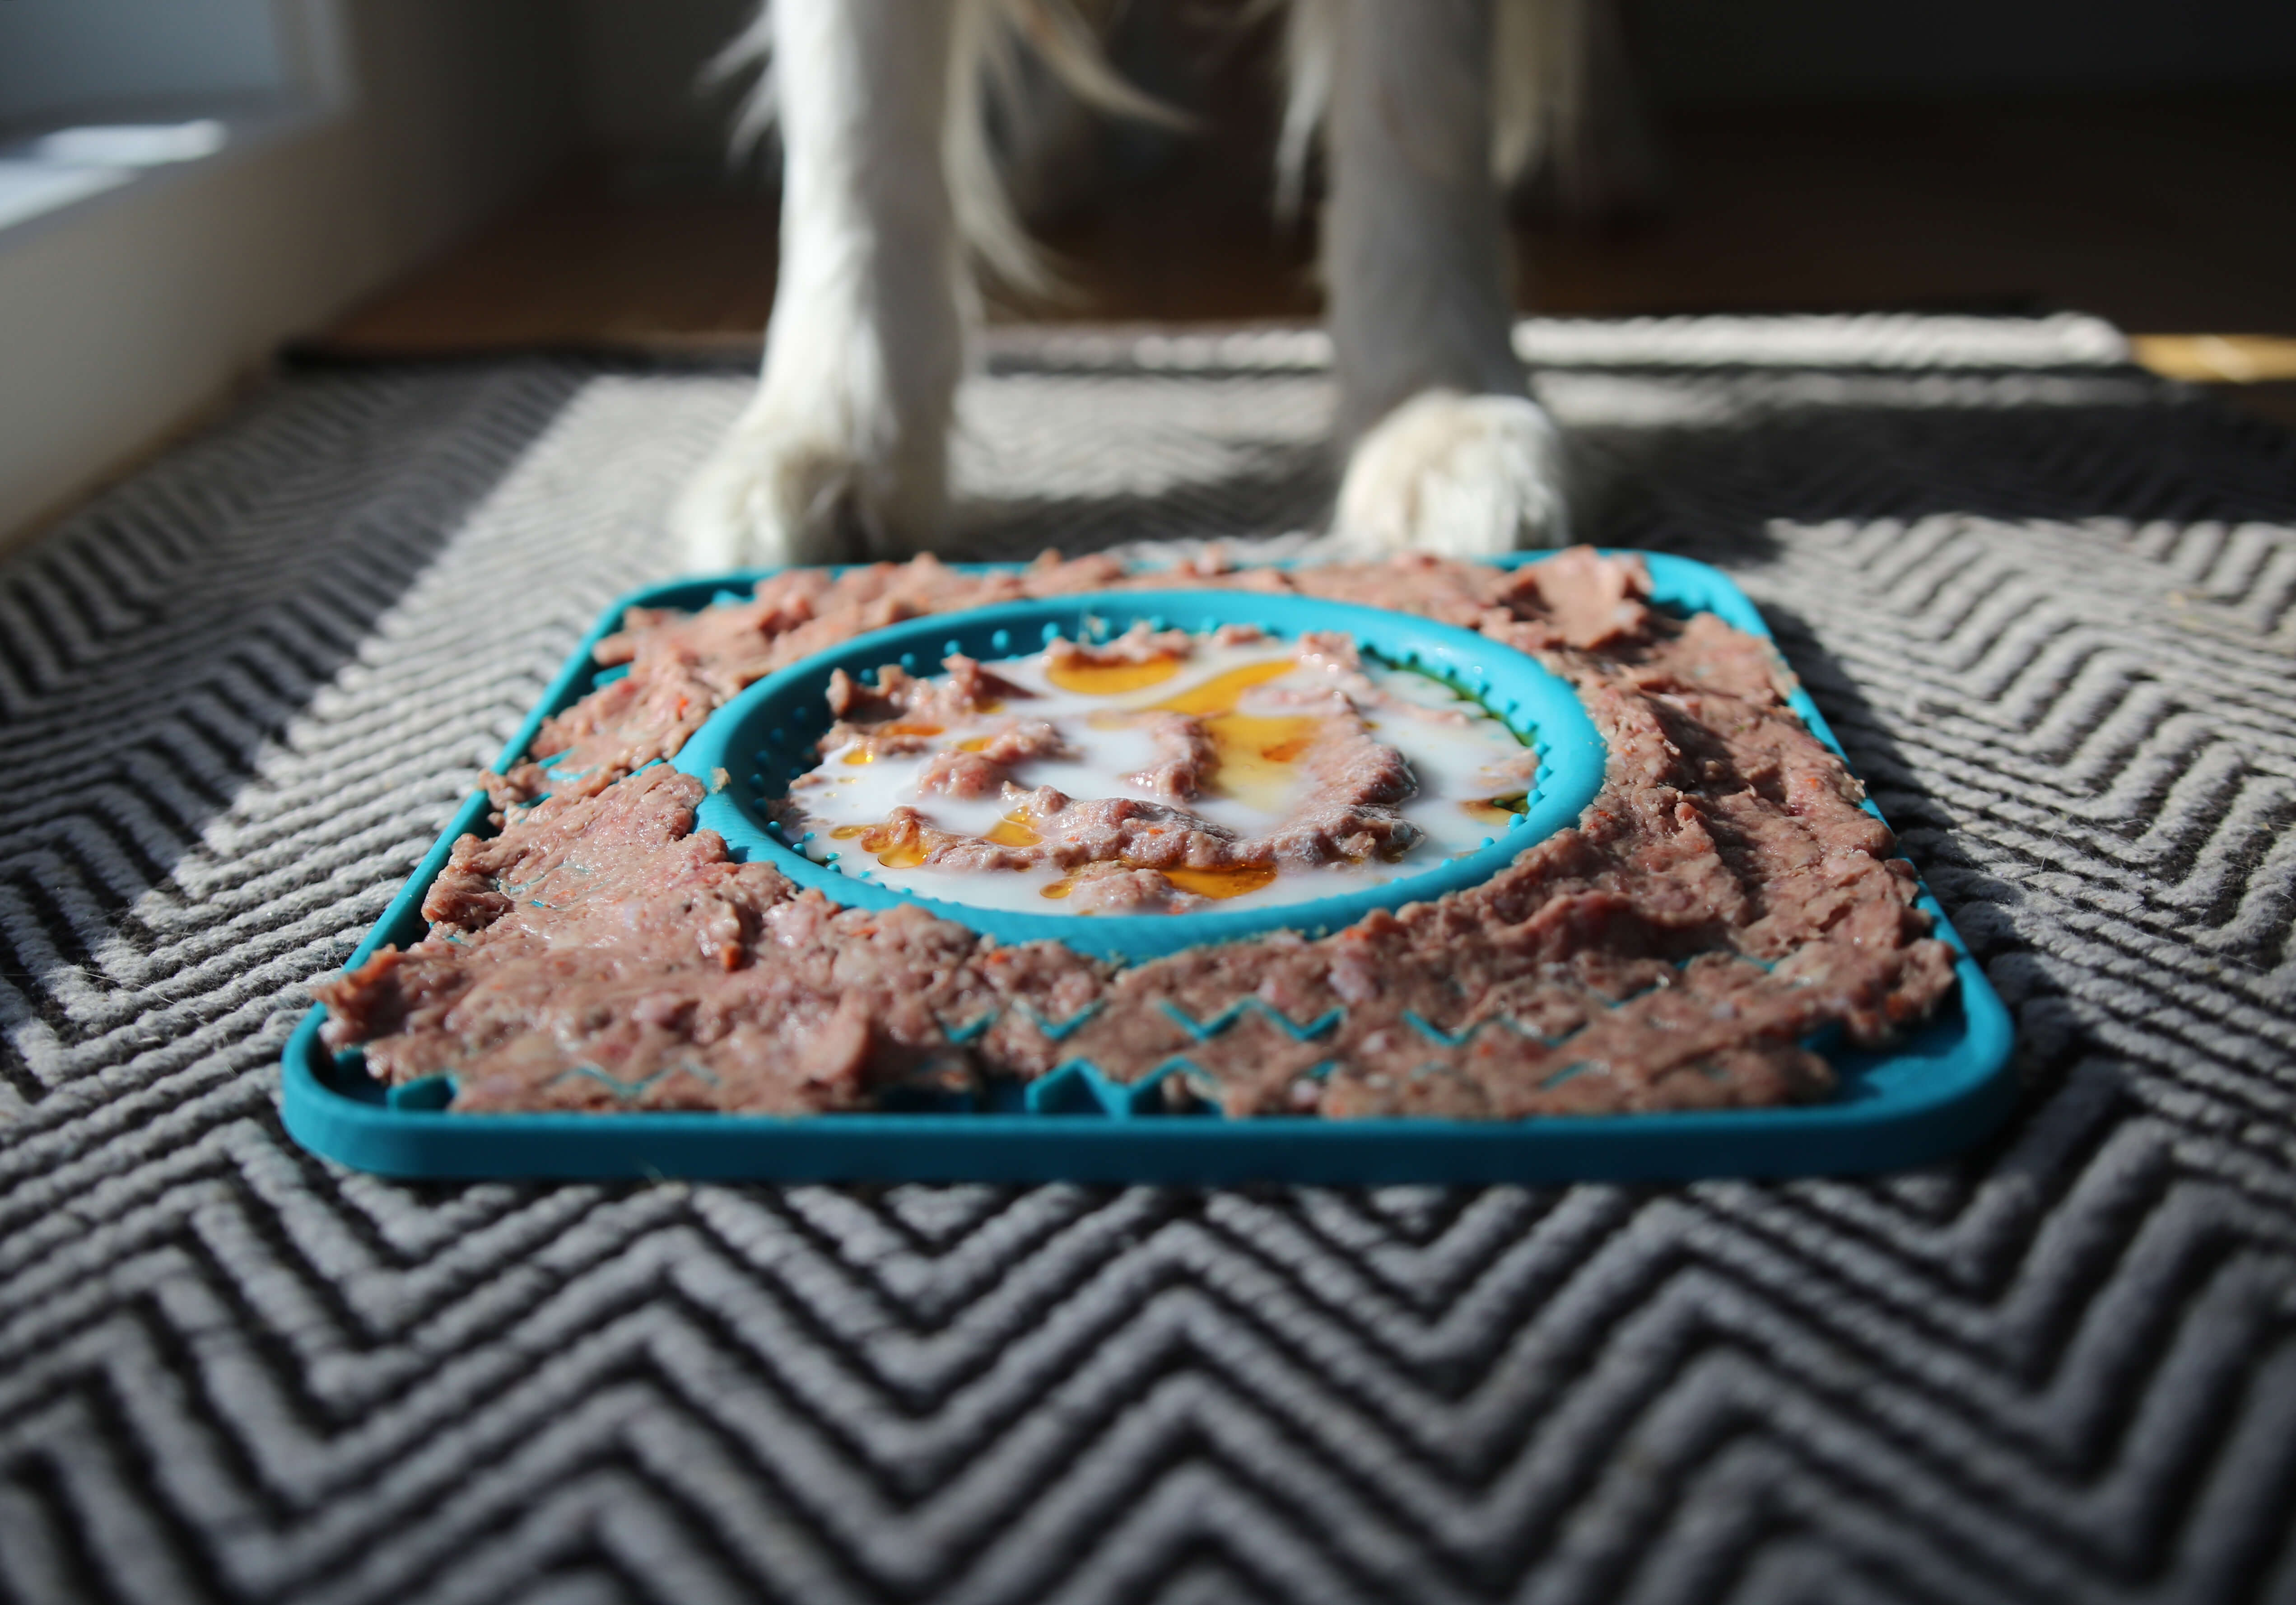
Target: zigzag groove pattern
{"x": 2048, "y": 604}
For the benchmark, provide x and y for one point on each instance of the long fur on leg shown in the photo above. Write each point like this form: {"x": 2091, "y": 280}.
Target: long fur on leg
{"x": 889, "y": 179}
{"x": 1447, "y": 451}
{"x": 842, "y": 452}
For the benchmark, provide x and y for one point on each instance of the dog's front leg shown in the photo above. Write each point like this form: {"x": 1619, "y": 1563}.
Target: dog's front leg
{"x": 843, "y": 451}
{"x": 1447, "y": 451}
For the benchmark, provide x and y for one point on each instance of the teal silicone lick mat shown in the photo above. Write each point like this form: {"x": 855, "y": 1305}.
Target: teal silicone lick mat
{"x": 1941, "y": 1089}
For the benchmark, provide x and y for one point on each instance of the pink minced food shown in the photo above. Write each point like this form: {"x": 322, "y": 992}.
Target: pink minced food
{"x": 1722, "y": 900}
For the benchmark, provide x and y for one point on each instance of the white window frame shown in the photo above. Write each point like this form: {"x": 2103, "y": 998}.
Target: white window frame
{"x": 319, "y": 86}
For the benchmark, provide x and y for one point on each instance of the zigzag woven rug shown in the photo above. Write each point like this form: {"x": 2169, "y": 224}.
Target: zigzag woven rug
{"x": 2049, "y": 603}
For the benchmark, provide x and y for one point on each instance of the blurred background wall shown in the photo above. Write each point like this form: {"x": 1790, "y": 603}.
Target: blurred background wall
{"x": 1763, "y": 50}
{"x": 346, "y": 144}
{"x": 638, "y": 65}
{"x": 639, "y": 104}
{"x": 356, "y": 138}
{"x": 62, "y": 57}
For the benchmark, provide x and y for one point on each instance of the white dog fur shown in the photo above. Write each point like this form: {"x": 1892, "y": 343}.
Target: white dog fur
{"x": 1425, "y": 107}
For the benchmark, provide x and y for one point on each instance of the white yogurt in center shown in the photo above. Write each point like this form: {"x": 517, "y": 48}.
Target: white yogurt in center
{"x": 1461, "y": 757}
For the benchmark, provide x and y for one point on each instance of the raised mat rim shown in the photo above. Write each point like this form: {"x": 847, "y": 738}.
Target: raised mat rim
{"x": 1516, "y": 688}
{"x": 1942, "y": 1090}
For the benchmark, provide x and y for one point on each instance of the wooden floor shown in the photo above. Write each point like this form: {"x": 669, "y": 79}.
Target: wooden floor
{"x": 2170, "y": 215}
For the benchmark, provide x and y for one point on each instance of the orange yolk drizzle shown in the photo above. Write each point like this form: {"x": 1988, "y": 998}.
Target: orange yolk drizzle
{"x": 1222, "y": 883}
{"x": 1255, "y": 751}
{"x": 1013, "y": 830}
{"x": 892, "y": 852}
{"x": 1111, "y": 679}
{"x": 900, "y": 727}
{"x": 1204, "y": 883}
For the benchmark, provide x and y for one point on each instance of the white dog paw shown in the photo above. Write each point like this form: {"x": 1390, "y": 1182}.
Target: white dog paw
{"x": 1461, "y": 477}
{"x": 770, "y": 495}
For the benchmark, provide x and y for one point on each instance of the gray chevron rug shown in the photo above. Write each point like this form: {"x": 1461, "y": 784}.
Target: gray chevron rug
{"x": 2050, "y": 604}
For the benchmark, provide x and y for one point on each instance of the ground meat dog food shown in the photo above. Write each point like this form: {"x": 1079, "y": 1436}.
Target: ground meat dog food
{"x": 1723, "y": 901}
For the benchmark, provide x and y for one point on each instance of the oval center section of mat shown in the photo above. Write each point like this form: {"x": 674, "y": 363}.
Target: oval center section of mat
{"x": 1158, "y": 772}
